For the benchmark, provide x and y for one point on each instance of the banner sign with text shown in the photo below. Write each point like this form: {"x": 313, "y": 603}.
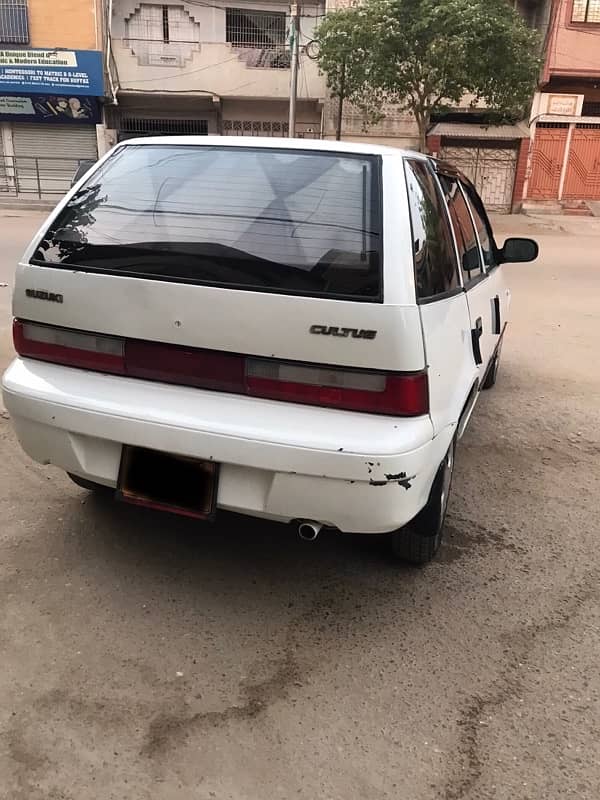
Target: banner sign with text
{"x": 78, "y": 72}
{"x": 67, "y": 109}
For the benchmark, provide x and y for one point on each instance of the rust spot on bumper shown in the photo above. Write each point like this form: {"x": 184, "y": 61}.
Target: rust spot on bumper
{"x": 400, "y": 478}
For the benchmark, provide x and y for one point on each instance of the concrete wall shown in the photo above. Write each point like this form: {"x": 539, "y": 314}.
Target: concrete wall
{"x": 574, "y": 48}
{"x": 212, "y": 65}
{"x": 398, "y": 128}
{"x": 217, "y": 69}
{"x": 210, "y": 19}
{"x": 275, "y": 111}
{"x": 74, "y": 24}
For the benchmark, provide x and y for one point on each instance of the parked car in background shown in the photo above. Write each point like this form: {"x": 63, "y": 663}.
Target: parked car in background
{"x": 292, "y": 330}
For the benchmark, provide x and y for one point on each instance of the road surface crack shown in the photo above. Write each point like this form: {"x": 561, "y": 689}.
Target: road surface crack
{"x": 166, "y": 729}
{"x": 510, "y": 684}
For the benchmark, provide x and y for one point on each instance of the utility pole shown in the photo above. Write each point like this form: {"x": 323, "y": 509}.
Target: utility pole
{"x": 338, "y": 127}
{"x": 295, "y": 36}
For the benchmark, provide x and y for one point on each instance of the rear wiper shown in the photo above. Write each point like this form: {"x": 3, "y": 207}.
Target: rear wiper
{"x": 84, "y": 191}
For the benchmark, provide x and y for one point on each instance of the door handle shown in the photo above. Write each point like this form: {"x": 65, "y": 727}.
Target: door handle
{"x": 476, "y": 334}
{"x": 497, "y": 317}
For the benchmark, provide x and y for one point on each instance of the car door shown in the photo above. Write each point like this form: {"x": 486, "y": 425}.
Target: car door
{"x": 499, "y": 291}
{"x": 441, "y": 298}
{"x": 476, "y": 279}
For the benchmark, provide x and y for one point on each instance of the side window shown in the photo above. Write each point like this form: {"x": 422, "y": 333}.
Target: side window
{"x": 433, "y": 248}
{"x": 483, "y": 229}
{"x": 466, "y": 238}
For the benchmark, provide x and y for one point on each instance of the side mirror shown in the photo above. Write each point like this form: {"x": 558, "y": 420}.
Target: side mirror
{"x": 519, "y": 250}
{"x": 84, "y": 166}
{"x": 470, "y": 260}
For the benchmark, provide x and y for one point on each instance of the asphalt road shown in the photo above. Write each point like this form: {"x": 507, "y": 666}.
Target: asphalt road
{"x": 143, "y": 656}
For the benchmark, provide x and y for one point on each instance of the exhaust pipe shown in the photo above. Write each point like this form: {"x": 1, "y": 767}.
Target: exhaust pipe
{"x": 309, "y": 530}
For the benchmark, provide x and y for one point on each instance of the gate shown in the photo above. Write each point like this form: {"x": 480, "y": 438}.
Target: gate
{"x": 582, "y": 180}
{"x": 547, "y": 158}
{"x": 491, "y": 169}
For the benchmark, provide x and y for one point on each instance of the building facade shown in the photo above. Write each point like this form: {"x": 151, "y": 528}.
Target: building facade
{"x": 493, "y": 156}
{"x": 209, "y": 68}
{"x": 563, "y": 169}
{"x": 51, "y": 91}
{"x": 77, "y": 76}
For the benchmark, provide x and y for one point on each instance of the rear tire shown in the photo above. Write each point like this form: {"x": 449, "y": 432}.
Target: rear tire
{"x": 89, "y": 485}
{"x": 419, "y": 541}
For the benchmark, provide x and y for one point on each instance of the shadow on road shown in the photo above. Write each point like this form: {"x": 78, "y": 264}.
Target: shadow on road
{"x": 233, "y": 548}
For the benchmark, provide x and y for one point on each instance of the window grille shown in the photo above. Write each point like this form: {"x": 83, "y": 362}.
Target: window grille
{"x": 14, "y": 25}
{"x": 255, "y": 28}
{"x": 591, "y": 110}
{"x": 134, "y": 126}
{"x": 586, "y": 11}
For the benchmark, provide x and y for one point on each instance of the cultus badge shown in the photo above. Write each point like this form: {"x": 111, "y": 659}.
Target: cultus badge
{"x": 345, "y": 333}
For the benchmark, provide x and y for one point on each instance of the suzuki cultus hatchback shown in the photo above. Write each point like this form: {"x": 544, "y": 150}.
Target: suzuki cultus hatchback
{"x": 292, "y": 330}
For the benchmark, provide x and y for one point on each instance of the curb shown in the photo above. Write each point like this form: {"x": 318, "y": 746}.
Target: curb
{"x": 27, "y": 205}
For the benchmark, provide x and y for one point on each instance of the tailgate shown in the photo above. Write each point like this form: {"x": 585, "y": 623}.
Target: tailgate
{"x": 251, "y": 323}
{"x": 260, "y": 250}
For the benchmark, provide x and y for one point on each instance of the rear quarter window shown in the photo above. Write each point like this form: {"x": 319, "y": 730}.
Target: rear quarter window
{"x": 436, "y": 272}
{"x": 265, "y": 219}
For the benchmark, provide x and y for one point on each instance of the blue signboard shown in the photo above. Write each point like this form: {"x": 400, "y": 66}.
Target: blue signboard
{"x": 70, "y": 72}
{"x": 66, "y": 109}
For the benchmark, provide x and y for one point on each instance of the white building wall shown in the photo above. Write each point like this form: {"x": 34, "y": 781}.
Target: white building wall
{"x": 209, "y": 65}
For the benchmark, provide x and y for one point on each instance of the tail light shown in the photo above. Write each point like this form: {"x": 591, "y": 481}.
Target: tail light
{"x": 376, "y": 392}
{"x": 395, "y": 394}
{"x": 71, "y": 348}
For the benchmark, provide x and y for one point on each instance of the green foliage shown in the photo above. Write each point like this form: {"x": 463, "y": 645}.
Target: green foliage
{"x": 344, "y": 57}
{"x": 425, "y": 55}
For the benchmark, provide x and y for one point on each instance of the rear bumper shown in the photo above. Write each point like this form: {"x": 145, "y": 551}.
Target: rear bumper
{"x": 356, "y": 472}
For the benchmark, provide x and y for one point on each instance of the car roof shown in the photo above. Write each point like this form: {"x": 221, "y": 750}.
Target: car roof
{"x": 322, "y": 145}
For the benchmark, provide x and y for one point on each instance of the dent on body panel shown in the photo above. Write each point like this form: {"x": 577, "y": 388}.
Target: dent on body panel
{"x": 401, "y": 478}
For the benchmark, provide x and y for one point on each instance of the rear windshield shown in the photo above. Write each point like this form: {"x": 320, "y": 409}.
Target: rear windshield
{"x": 296, "y": 222}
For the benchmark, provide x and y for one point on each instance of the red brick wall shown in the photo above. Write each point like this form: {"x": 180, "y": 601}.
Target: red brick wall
{"x": 521, "y": 174}
{"x": 64, "y": 23}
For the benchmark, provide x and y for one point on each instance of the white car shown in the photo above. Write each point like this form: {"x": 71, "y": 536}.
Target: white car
{"x": 294, "y": 330}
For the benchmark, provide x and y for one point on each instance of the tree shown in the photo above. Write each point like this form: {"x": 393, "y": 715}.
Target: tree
{"x": 342, "y": 40}
{"x": 426, "y": 55}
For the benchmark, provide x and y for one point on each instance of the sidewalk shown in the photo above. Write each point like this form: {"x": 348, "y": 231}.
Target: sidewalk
{"x": 544, "y": 224}
{"x": 15, "y": 204}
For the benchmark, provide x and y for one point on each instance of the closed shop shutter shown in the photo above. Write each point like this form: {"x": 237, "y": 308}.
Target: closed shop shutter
{"x": 47, "y": 156}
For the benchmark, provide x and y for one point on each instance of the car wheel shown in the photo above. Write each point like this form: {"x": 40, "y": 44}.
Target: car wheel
{"x": 89, "y": 485}
{"x": 492, "y": 374}
{"x": 419, "y": 541}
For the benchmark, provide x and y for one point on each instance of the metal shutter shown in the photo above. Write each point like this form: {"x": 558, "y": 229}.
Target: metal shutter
{"x": 47, "y": 157}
